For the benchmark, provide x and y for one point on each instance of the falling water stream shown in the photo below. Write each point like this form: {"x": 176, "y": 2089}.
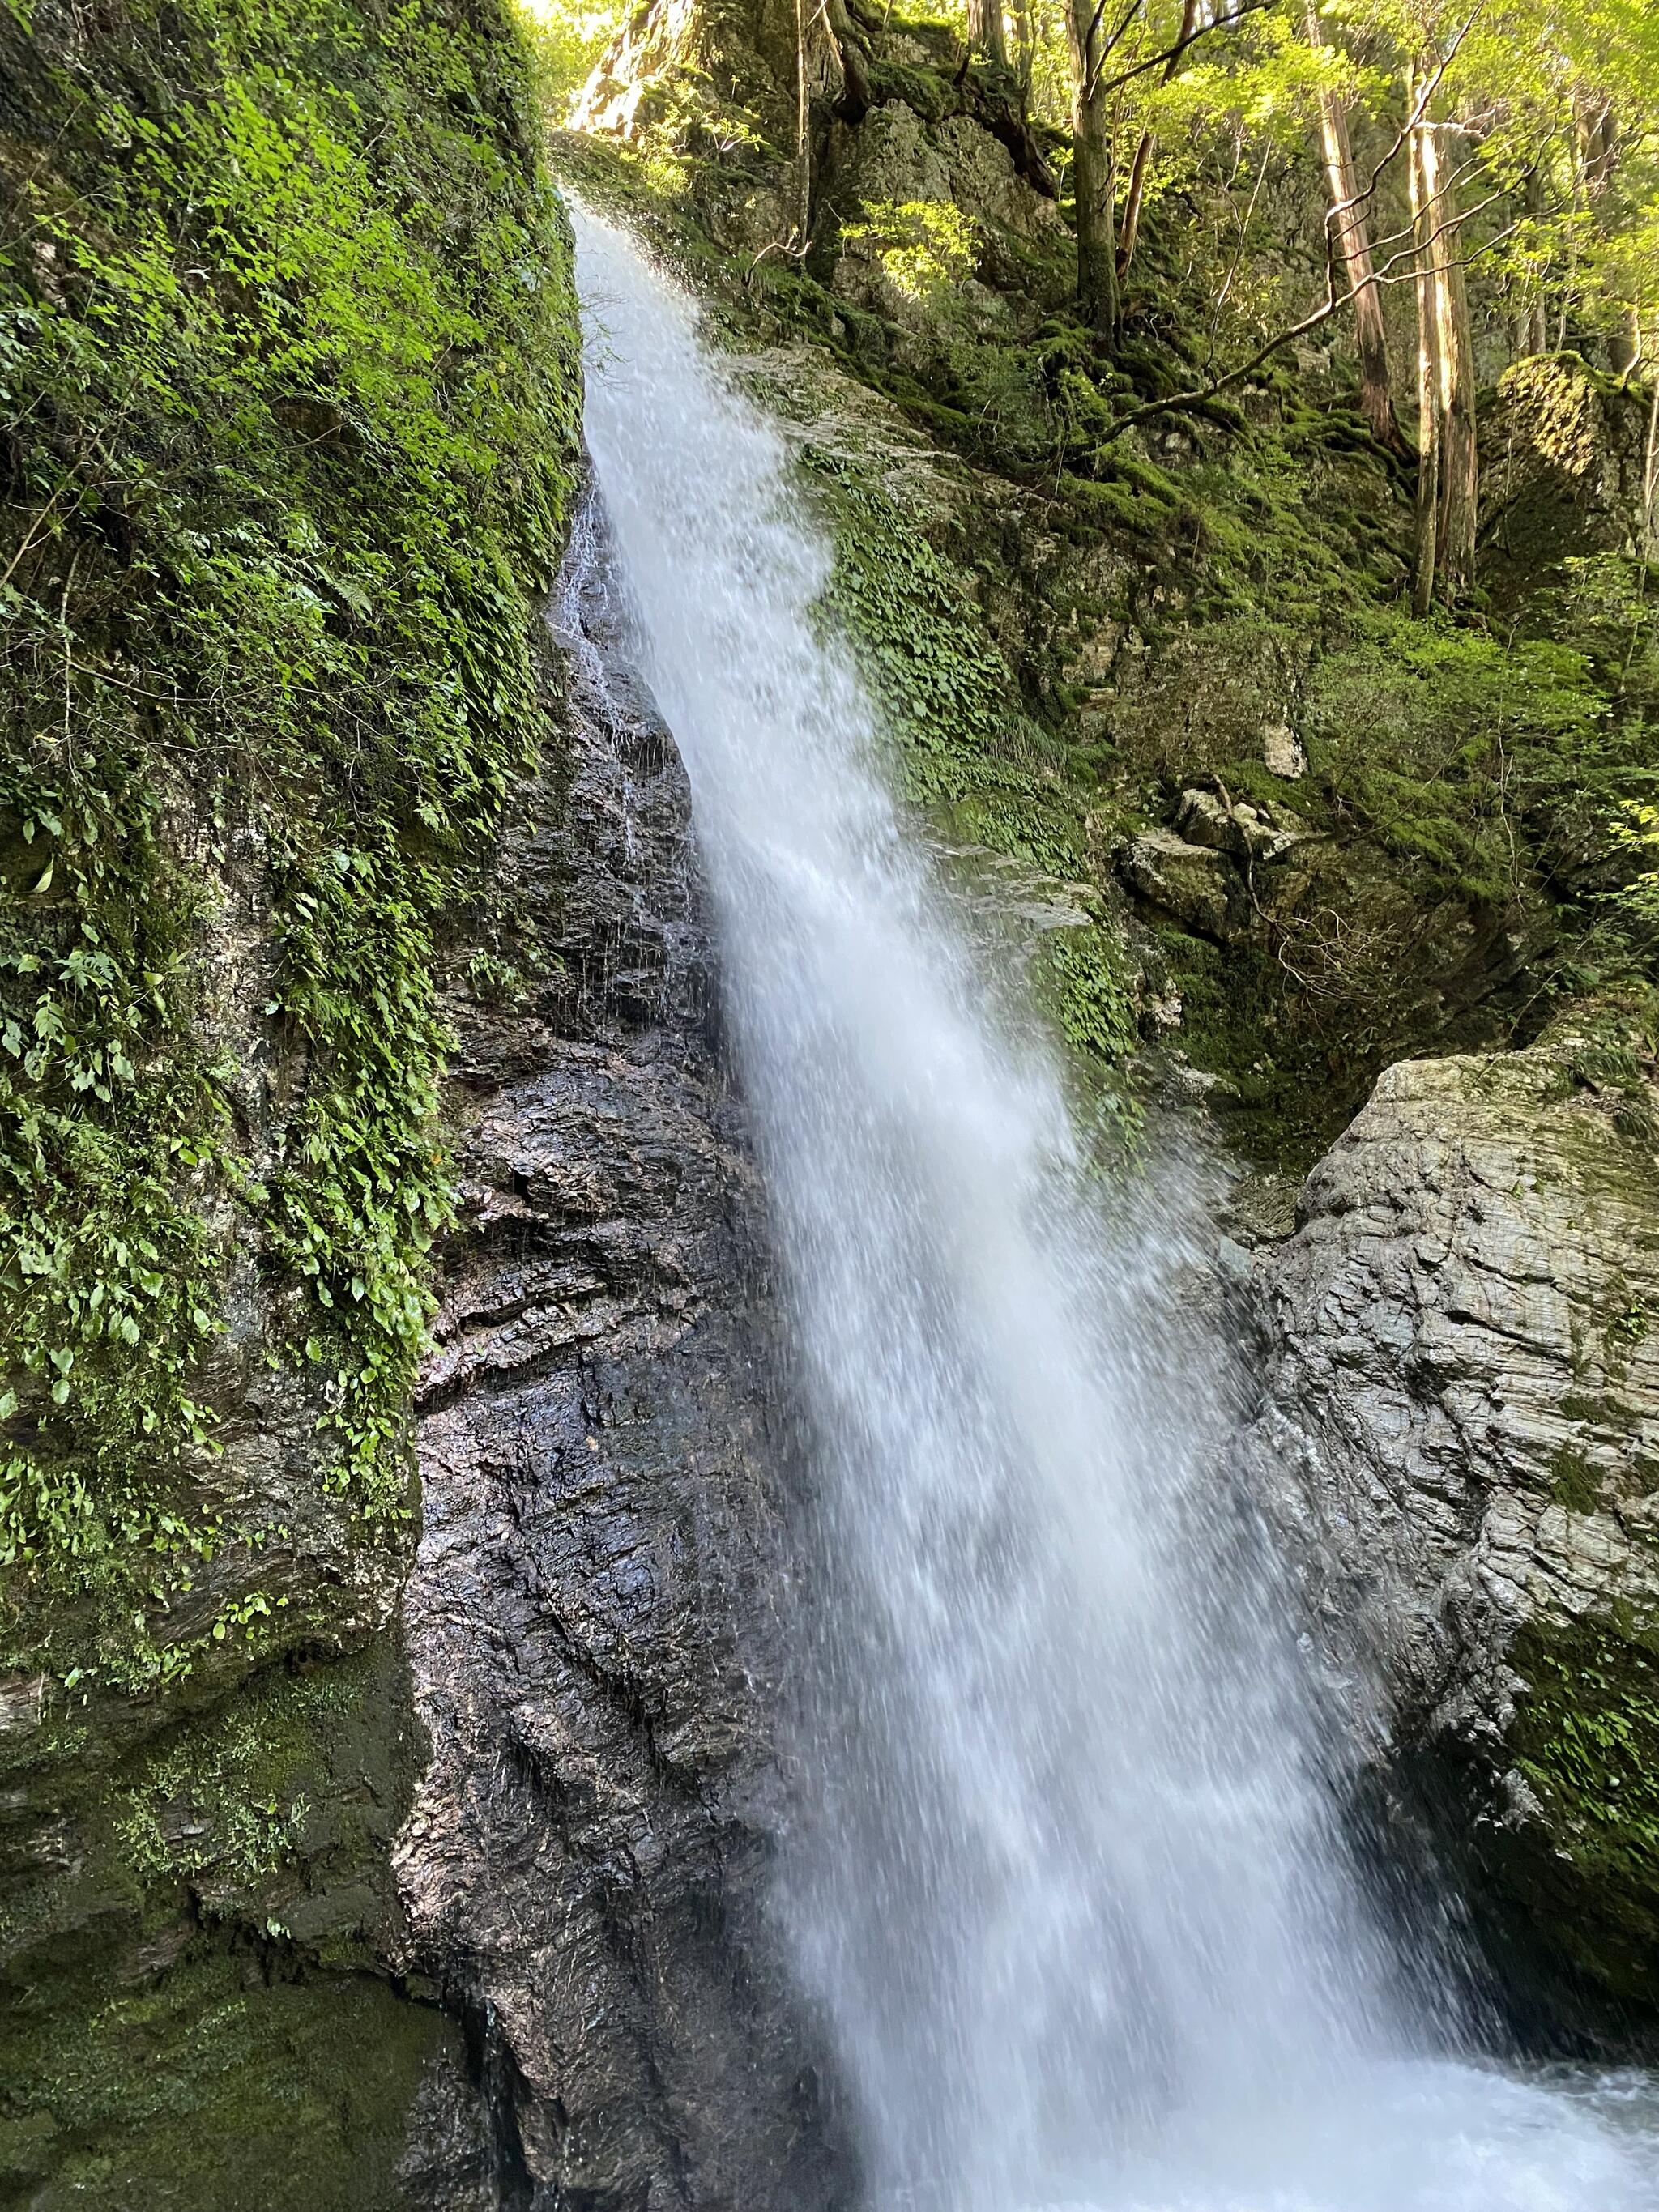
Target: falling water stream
{"x": 1068, "y": 1892}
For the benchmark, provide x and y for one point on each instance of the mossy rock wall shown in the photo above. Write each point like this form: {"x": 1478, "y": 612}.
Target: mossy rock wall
{"x": 288, "y": 403}
{"x": 199, "y": 2009}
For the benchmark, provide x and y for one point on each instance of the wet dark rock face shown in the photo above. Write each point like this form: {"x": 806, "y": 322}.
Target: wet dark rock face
{"x": 595, "y": 1621}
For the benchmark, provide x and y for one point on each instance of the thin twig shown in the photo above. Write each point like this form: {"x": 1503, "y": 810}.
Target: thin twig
{"x": 1174, "y": 52}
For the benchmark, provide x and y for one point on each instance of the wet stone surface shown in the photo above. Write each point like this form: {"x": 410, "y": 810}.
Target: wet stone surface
{"x": 595, "y": 1621}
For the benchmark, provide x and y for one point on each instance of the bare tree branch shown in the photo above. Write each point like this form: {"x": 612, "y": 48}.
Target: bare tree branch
{"x": 1174, "y": 52}
{"x": 1091, "y": 81}
{"x": 1329, "y": 305}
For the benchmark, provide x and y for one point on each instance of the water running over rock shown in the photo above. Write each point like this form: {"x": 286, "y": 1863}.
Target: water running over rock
{"x": 1071, "y": 1894}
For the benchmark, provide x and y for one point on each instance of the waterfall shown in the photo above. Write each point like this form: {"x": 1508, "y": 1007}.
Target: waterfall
{"x": 1068, "y": 1890}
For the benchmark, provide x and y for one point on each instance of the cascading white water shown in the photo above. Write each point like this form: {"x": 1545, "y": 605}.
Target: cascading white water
{"x": 1070, "y": 1894}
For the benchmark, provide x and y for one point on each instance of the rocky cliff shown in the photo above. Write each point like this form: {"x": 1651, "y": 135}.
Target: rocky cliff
{"x": 1460, "y": 1447}
{"x": 598, "y": 1611}
{"x": 286, "y": 423}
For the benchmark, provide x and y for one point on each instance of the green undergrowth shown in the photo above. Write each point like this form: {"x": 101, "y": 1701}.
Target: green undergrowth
{"x": 1466, "y": 753}
{"x": 947, "y": 694}
{"x": 1587, "y": 1735}
{"x": 288, "y": 397}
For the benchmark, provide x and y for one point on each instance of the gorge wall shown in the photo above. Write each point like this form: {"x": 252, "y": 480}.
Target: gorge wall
{"x": 286, "y": 438}
{"x": 371, "y": 1844}
{"x": 599, "y": 1611}
{"x": 368, "y": 1843}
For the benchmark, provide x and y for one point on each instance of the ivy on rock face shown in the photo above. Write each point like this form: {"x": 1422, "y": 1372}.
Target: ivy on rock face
{"x": 964, "y": 750}
{"x": 288, "y": 403}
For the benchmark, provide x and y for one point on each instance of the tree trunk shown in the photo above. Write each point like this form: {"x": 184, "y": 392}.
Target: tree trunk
{"x": 1599, "y": 146}
{"x": 1448, "y": 476}
{"x": 1426, "y": 546}
{"x": 1455, "y": 345}
{"x": 1353, "y": 241}
{"x": 1025, "y": 48}
{"x": 1598, "y": 143}
{"x": 1092, "y": 172}
{"x": 1533, "y": 335}
{"x": 985, "y": 34}
{"x": 803, "y": 230}
{"x": 1130, "y": 233}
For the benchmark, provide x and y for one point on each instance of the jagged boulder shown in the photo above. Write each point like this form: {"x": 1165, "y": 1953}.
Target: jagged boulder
{"x": 1194, "y": 884}
{"x": 1225, "y": 865}
{"x": 1565, "y": 470}
{"x": 1459, "y": 1444}
{"x": 1233, "y": 826}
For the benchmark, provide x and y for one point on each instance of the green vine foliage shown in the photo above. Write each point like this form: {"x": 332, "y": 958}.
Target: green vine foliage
{"x": 967, "y": 751}
{"x": 1587, "y": 1731}
{"x": 945, "y": 690}
{"x": 287, "y": 406}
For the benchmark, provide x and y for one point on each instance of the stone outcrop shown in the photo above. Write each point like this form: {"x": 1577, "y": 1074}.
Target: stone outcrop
{"x": 1565, "y": 472}
{"x": 1194, "y": 884}
{"x": 1460, "y": 1444}
{"x": 1227, "y": 866}
{"x": 593, "y": 1619}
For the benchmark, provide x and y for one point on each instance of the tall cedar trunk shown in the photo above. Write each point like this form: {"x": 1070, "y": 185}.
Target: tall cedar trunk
{"x": 1533, "y": 335}
{"x": 1425, "y": 544}
{"x": 1599, "y": 152}
{"x": 1130, "y": 233}
{"x": 1025, "y": 47}
{"x": 1092, "y": 172}
{"x": 1455, "y": 340}
{"x": 985, "y": 34}
{"x": 1353, "y": 243}
{"x": 1447, "y": 482}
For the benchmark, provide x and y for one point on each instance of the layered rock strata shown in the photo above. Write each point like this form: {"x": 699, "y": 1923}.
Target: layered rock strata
{"x": 1460, "y": 1441}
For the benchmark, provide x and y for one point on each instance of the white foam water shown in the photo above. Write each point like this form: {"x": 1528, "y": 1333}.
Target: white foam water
{"x": 1068, "y": 1889}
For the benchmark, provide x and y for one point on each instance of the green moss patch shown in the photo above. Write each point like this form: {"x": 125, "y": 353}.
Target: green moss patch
{"x": 232, "y": 2079}
{"x": 1587, "y": 1742}
{"x": 193, "y": 1937}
